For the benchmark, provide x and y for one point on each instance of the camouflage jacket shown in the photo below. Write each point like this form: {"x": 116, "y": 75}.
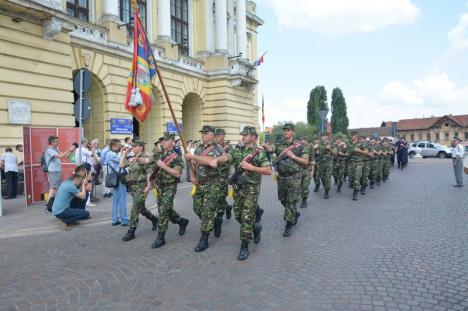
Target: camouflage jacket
{"x": 235, "y": 157}
{"x": 206, "y": 171}
{"x": 354, "y": 156}
{"x": 164, "y": 178}
{"x": 225, "y": 169}
{"x": 137, "y": 172}
{"x": 287, "y": 165}
{"x": 327, "y": 154}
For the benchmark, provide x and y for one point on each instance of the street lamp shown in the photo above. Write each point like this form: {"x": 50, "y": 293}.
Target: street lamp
{"x": 323, "y": 116}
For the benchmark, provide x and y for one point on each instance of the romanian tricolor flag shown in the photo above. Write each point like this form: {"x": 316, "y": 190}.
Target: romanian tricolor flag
{"x": 139, "y": 95}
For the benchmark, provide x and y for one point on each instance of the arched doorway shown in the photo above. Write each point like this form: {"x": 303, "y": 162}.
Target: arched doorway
{"x": 93, "y": 127}
{"x": 191, "y": 116}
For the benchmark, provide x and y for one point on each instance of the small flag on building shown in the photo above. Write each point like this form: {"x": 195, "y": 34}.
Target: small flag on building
{"x": 139, "y": 96}
{"x": 260, "y": 60}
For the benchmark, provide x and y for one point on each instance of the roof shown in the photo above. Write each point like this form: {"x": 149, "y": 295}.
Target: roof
{"x": 370, "y": 131}
{"x": 426, "y": 123}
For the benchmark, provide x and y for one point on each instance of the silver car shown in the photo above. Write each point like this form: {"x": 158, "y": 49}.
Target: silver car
{"x": 430, "y": 149}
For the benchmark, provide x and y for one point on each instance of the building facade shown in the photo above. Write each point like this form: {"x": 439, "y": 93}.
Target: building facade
{"x": 204, "y": 49}
{"x": 437, "y": 129}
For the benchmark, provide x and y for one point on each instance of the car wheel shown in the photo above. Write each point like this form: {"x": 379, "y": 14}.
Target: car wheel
{"x": 411, "y": 154}
{"x": 441, "y": 155}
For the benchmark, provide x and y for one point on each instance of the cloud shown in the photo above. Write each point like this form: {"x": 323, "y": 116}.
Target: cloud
{"x": 343, "y": 16}
{"x": 285, "y": 109}
{"x": 433, "y": 94}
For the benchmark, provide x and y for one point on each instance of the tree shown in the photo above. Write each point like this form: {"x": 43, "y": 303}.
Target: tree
{"x": 302, "y": 129}
{"x": 317, "y": 101}
{"x": 339, "y": 119}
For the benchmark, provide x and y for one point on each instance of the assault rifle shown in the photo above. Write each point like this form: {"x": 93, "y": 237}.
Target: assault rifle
{"x": 284, "y": 155}
{"x": 234, "y": 179}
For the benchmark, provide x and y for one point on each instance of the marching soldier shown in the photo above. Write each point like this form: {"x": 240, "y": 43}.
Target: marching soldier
{"x": 373, "y": 165}
{"x": 208, "y": 183}
{"x": 339, "y": 165}
{"x": 251, "y": 163}
{"x": 357, "y": 152}
{"x": 168, "y": 170}
{"x": 139, "y": 168}
{"x": 327, "y": 151}
{"x": 366, "y": 164}
{"x": 306, "y": 173}
{"x": 316, "y": 153}
{"x": 291, "y": 159}
{"x": 222, "y": 205}
{"x": 387, "y": 159}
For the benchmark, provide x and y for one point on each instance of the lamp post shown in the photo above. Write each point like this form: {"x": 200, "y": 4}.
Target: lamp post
{"x": 323, "y": 116}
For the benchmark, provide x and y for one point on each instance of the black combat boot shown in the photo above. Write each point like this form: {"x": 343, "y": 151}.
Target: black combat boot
{"x": 218, "y": 221}
{"x": 336, "y": 181}
{"x": 228, "y": 211}
{"x": 288, "y": 229}
{"x": 203, "y": 244}
{"x": 258, "y": 214}
{"x": 355, "y": 195}
{"x": 378, "y": 182}
{"x": 244, "y": 250}
{"x": 304, "y": 203}
{"x": 363, "y": 190}
{"x": 384, "y": 179}
{"x": 351, "y": 183}
{"x": 183, "y": 222}
{"x": 257, "y": 233}
{"x": 297, "y": 218}
{"x": 130, "y": 234}
{"x": 155, "y": 223}
{"x": 317, "y": 186}
{"x": 372, "y": 185}
{"x": 160, "y": 241}
{"x": 338, "y": 190}
{"x": 326, "y": 196}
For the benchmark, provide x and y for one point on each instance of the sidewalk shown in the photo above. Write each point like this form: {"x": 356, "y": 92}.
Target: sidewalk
{"x": 19, "y": 220}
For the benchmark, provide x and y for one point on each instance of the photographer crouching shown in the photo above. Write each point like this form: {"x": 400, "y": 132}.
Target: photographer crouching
{"x": 70, "y": 201}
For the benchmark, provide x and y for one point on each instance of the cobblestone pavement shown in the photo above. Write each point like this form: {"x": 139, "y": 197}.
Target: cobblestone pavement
{"x": 403, "y": 246}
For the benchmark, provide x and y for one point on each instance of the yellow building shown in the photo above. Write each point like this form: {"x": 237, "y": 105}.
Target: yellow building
{"x": 204, "y": 49}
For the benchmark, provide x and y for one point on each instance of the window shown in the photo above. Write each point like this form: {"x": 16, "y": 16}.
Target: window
{"x": 428, "y": 136}
{"x": 456, "y": 134}
{"x": 412, "y": 137}
{"x": 422, "y": 145}
{"x": 126, "y": 14}
{"x": 437, "y": 136}
{"x": 179, "y": 25}
{"x": 466, "y": 135}
{"x": 413, "y": 145}
{"x": 430, "y": 146}
{"x": 420, "y": 137}
{"x": 78, "y": 9}
{"x": 446, "y": 136}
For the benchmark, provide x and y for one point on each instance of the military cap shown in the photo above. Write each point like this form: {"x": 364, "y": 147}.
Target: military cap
{"x": 249, "y": 130}
{"x": 458, "y": 138}
{"x": 168, "y": 136}
{"x": 207, "y": 128}
{"x": 289, "y": 126}
{"x": 220, "y": 131}
{"x": 138, "y": 143}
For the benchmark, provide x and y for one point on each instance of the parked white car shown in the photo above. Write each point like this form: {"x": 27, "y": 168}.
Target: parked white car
{"x": 430, "y": 149}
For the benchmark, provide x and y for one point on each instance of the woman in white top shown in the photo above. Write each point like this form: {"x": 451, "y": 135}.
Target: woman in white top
{"x": 9, "y": 164}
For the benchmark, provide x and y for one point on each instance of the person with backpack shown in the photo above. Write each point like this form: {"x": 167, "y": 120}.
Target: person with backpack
{"x": 52, "y": 165}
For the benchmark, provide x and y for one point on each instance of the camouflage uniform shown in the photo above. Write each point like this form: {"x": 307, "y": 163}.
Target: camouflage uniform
{"x": 365, "y": 166}
{"x": 289, "y": 179}
{"x": 326, "y": 164}
{"x": 378, "y": 175}
{"x": 166, "y": 185}
{"x": 305, "y": 179}
{"x": 137, "y": 181}
{"x": 355, "y": 165}
{"x": 386, "y": 161}
{"x": 373, "y": 164}
{"x": 339, "y": 166}
{"x": 316, "y": 156}
{"x": 224, "y": 171}
{"x": 209, "y": 186}
{"x": 247, "y": 189}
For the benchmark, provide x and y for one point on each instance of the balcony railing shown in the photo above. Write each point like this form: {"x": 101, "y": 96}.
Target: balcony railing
{"x": 87, "y": 31}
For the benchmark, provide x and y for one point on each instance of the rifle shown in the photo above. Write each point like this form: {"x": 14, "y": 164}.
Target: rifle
{"x": 238, "y": 172}
{"x": 283, "y": 154}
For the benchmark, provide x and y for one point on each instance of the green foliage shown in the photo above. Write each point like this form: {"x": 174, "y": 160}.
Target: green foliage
{"x": 302, "y": 129}
{"x": 339, "y": 119}
{"x": 317, "y": 101}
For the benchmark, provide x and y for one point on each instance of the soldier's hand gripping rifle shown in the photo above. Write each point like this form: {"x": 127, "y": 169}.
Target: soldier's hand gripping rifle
{"x": 284, "y": 154}
{"x": 234, "y": 179}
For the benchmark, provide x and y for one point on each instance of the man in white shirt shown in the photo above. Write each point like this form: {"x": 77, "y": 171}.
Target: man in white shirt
{"x": 9, "y": 163}
{"x": 458, "y": 154}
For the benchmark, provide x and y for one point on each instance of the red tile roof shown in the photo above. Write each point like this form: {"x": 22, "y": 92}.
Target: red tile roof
{"x": 425, "y": 123}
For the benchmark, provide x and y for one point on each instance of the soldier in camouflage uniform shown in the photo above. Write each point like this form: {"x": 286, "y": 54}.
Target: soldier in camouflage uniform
{"x": 357, "y": 151}
{"x": 380, "y": 159}
{"x": 208, "y": 183}
{"x": 222, "y": 205}
{"x": 373, "y": 162}
{"x": 365, "y": 164}
{"x": 166, "y": 174}
{"x": 291, "y": 159}
{"x": 251, "y": 163}
{"x": 387, "y": 162}
{"x": 316, "y": 153}
{"x": 339, "y": 162}
{"x": 327, "y": 151}
{"x": 306, "y": 173}
{"x": 139, "y": 168}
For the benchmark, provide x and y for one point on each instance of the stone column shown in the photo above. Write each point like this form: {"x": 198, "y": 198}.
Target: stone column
{"x": 221, "y": 26}
{"x": 241, "y": 28}
{"x": 164, "y": 20}
{"x": 231, "y": 32}
{"x": 110, "y": 11}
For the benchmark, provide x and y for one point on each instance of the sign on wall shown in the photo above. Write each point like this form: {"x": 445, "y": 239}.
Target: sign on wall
{"x": 121, "y": 126}
{"x": 19, "y": 112}
{"x": 171, "y": 128}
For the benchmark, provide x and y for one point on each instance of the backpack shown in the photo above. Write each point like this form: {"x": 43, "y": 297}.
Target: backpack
{"x": 44, "y": 164}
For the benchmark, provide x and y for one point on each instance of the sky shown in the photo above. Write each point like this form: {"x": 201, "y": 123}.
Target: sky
{"x": 393, "y": 59}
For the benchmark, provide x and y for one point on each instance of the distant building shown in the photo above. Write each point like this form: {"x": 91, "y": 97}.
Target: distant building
{"x": 385, "y": 130}
{"x": 438, "y": 129}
